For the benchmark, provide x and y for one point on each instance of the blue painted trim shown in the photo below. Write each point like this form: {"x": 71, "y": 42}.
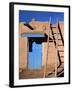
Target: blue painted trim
{"x": 32, "y": 35}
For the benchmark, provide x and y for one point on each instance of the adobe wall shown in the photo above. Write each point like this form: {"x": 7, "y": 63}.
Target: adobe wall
{"x": 39, "y": 27}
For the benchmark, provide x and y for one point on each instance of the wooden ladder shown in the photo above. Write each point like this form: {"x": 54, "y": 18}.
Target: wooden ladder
{"x": 57, "y": 37}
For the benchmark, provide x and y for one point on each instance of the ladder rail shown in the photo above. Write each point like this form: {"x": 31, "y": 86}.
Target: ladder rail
{"x": 60, "y": 34}
{"x": 56, "y": 46}
{"x": 56, "y": 53}
{"x": 55, "y": 40}
{"x": 47, "y": 54}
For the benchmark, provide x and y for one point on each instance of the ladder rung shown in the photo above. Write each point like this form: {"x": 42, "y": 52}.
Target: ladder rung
{"x": 56, "y": 33}
{"x": 53, "y": 35}
{"x": 62, "y": 56}
{"x": 50, "y": 40}
{"x": 60, "y": 50}
{"x": 60, "y": 45}
{"x": 53, "y": 26}
{"x": 62, "y": 61}
{"x": 58, "y": 39}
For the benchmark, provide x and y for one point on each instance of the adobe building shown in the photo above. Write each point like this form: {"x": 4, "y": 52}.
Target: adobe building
{"x": 41, "y": 47}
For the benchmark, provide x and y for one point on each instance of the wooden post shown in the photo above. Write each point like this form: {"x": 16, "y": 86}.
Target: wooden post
{"x": 56, "y": 49}
{"x": 45, "y": 67}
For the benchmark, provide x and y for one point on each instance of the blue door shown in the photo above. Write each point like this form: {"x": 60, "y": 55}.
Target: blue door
{"x": 35, "y": 57}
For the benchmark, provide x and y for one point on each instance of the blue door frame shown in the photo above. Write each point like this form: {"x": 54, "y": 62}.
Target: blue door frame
{"x": 34, "y": 57}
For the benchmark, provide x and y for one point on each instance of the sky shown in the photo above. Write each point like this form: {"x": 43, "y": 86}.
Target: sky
{"x": 27, "y": 16}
